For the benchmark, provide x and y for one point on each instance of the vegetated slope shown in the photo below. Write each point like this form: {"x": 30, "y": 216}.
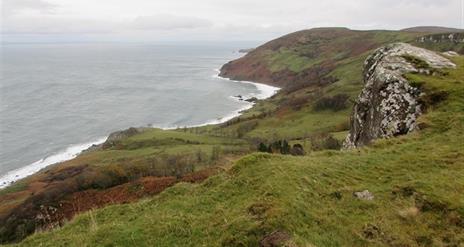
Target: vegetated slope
{"x": 432, "y": 29}
{"x": 312, "y": 110}
{"x": 307, "y": 56}
{"x": 417, "y": 182}
{"x": 124, "y": 169}
{"x": 320, "y": 72}
{"x": 314, "y": 116}
{"x": 442, "y": 42}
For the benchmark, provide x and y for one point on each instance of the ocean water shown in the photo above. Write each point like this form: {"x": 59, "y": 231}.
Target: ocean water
{"x": 58, "y": 99}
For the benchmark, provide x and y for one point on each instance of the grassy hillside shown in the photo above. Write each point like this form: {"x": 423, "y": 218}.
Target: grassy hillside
{"x": 308, "y": 56}
{"x": 432, "y": 29}
{"x": 145, "y": 164}
{"x": 313, "y": 66}
{"x": 320, "y": 71}
{"x": 417, "y": 182}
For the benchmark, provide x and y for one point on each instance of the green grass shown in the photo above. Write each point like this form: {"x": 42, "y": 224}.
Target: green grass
{"x": 20, "y": 186}
{"x": 287, "y": 59}
{"x": 299, "y": 124}
{"x": 152, "y": 153}
{"x": 417, "y": 181}
{"x": 154, "y": 142}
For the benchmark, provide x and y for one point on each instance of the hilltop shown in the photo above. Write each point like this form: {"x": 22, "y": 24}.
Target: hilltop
{"x": 300, "y": 199}
{"x": 432, "y": 29}
{"x": 311, "y": 56}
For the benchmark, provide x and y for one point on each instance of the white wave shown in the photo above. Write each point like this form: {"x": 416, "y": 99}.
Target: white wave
{"x": 220, "y": 120}
{"x": 67, "y": 154}
{"x": 265, "y": 91}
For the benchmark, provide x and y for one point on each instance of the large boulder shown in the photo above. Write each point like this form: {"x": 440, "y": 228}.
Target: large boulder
{"x": 389, "y": 105}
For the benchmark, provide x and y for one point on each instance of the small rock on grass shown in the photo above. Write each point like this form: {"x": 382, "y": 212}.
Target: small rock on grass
{"x": 364, "y": 195}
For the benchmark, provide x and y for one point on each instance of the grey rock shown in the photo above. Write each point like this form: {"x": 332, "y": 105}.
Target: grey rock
{"x": 388, "y": 105}
{"x": 455, "y": 37}
{"x": 252, "y": 100}
{"x": 364, "y": 195}
{"x": 450, "y": 53}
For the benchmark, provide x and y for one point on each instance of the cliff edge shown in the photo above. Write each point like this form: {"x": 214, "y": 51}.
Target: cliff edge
{"x": 389, "y": 105}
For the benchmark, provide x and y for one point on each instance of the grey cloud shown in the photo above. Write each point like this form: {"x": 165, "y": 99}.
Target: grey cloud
{"x": 11, "y": 7}
{"x": 55, "y": 25}
{"x": 217, "y": 19}
{"x": 169, "y": 22}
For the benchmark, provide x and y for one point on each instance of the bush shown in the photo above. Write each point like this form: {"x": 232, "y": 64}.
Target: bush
{"x": 262, "y": 147}
{"x": 280, "y": 146}
{"x": 215, "y": 153}
{"x": 325, "y": 141}
{"x": 297, "y": 150}
{"x": 296, "y": 103}
{"x": 433, "y": 98}
{"x": 246, "y": 127}
{"x": 335, "y": 103}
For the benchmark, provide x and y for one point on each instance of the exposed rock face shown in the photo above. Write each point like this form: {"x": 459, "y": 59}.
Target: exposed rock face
{"x": 388, "y": 105}
{"x": 440, "y": 38}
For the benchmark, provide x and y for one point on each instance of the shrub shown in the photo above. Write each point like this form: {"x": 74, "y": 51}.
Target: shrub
{"x": 246, "y": 127}
{"x": 433, "y": 98}
{"x": 297, "y": 150}
{"x": 335, "y": 103}
{"x": 296, "y": 103}
{"x": 262, "y": 148}
{"x": 280, "y": 146}
{"x": 324, "y": 141}
{"x": 215, "y": 152}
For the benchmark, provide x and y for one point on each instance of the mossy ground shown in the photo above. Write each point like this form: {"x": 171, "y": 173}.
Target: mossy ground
{"x": 417, "y": 182}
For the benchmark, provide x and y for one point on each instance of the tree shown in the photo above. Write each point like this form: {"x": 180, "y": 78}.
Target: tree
{"x": 215, "y": 153}
{"x": 262, "y": 148}
{"x": 297, "y": 150}
{"x": 199, "y": 156}
{"x": 285, "y": 147}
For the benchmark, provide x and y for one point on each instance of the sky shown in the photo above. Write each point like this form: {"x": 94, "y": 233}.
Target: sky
{"x": 210, "y": 20}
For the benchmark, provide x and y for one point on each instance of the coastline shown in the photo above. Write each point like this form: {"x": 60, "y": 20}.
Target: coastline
{"x": 265, "y": 91}
{"x": 67, "y": 154}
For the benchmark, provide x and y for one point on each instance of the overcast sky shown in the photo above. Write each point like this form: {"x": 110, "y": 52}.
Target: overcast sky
{"x": 187, "y": 20}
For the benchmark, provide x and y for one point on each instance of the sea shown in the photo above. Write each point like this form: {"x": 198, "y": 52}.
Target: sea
{"x": 58, "y": 99}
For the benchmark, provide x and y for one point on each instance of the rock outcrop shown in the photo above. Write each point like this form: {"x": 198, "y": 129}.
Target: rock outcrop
{"x": 442, "y": 38}
{"x": 114, "y": 137}
{"x": 389, "y": 105}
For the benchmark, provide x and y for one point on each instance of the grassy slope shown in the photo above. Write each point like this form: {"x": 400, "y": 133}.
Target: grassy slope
{"x": 417, "y": 181}
{"x": 152, "y": 152}
{"x": 341, "y": 51}
{"x": 346, "y": 51}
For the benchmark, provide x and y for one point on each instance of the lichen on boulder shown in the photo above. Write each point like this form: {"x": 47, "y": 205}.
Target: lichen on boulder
{"x": 389, "y": 105}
